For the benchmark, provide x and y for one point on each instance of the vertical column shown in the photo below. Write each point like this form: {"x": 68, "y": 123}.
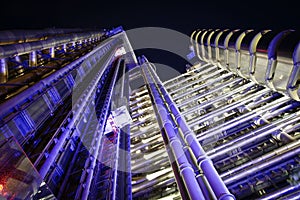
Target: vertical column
{"x": 3, "y": 70}
{"x": 33, "y": 59}
{"x": 65, "y": 47}
{"x": 52, "y": 52}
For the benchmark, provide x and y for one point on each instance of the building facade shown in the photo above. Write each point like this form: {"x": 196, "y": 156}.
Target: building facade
{"x": 75, "y": 125}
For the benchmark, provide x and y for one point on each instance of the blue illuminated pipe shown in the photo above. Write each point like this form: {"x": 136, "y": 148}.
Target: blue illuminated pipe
{"x": 46, "y": 82}
{"x": 85, "y": 99}
{"x": 202, "y": 181}
{"x": 216, "y": 183}
{"x": 206, "y": 165}
{"x": 96, "y": 151}
{"x": 185, "y": 169}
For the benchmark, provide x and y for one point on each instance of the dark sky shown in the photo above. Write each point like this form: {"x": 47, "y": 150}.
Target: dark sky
{"x": 183, "y": 16}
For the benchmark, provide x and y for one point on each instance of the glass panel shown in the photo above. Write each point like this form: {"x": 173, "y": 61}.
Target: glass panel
{"x": 38, "y": 111}
{"x": 62, "y": 89}
{"x": 20, "y": 122}
{"x": 18, "y": 178}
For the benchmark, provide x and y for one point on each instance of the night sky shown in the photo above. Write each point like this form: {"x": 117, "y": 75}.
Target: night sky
{"x": 184, "y": 16}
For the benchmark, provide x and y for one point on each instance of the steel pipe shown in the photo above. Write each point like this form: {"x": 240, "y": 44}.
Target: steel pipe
{"x": 210, "y": 90}
{"x": 264, "y": 158}
{"x": 241, "y": 119}
{"x": 202, "y": 86}
{"x": 205, "y": 71}
{"x": 169, "y": 82}
{"x": 292, "y": 87}
{"x": 184, "y": 167}
{"x": 199, "y": 69}
{"x": 203, "y": 78}
{"x": 253, "y": 136}
{"x": 260, "y": 167}
{"x": 222, "y": 97}
{"x": 217, "y": 185}
{"x": 226, "y": 108}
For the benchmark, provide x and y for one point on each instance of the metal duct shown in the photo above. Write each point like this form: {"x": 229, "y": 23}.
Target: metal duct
{"x": 271, "y": 57}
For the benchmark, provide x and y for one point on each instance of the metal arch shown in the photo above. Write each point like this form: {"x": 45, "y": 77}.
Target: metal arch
{"x": 209, "y": 44}
{"x": 202, "y": 44}
{"x": 193, "y": 39}
{"x": 239, "y": 40}
{"x": 272, "y": 48}
{"x": 252, "y": 51}
{"x": 197, "y": 43}
{"x": 217, "y": 46}
{"x": 293, "y": 89}
{"x": 226, "y": 43}
{"x": 272, "y": 57}
{"x": 238, "y": 44}
{"x": 255, "y": 40}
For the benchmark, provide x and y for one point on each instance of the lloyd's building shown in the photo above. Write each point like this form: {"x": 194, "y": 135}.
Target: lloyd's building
{"x": 74, "y": 123}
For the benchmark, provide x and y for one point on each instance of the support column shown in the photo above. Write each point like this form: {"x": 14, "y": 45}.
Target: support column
{"x": 33, "y": 59}
{"x": 52, "y": 52}
{"x": 65, "y": 47}
{"x": 3, "y": 70}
